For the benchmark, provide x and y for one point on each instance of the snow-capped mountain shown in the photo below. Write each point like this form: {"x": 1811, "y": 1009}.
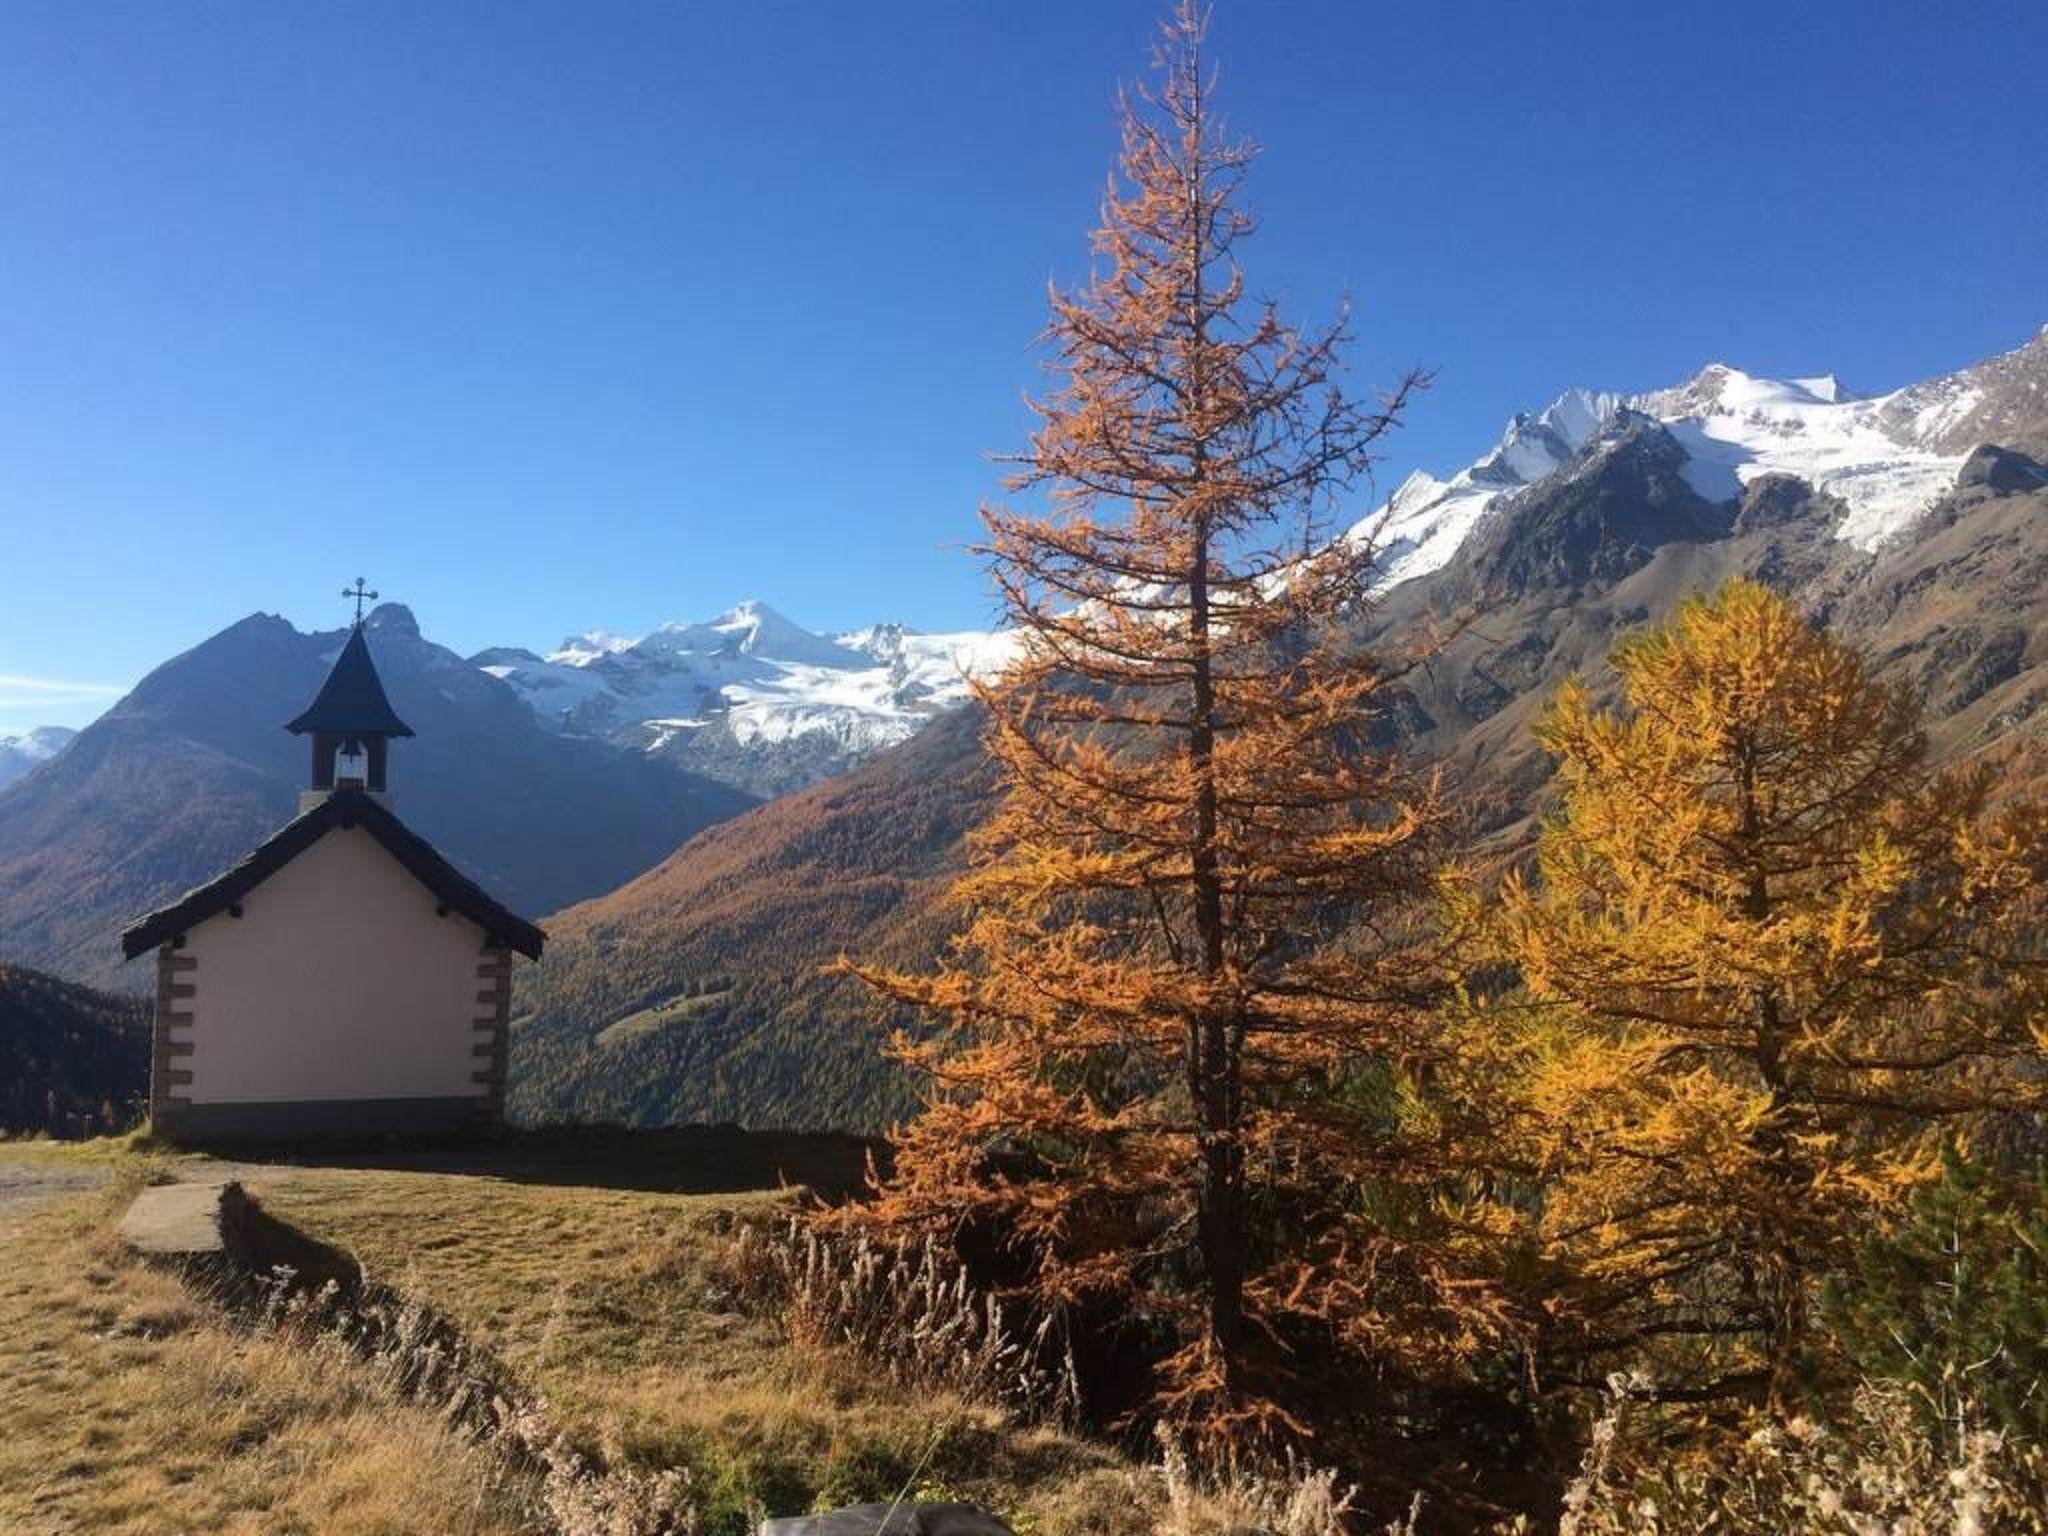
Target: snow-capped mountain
{"x": 1426, "y": 520}
{"x": 759, "y": 702}
{"x": 1596, "y": 526}
{"x": 1886, "y": 458}
{"x": 31, "y": 749}
{"x": 750, "y": 697}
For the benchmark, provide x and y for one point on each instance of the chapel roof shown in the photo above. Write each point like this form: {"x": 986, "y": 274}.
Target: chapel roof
{"x": 351, "y": 702}
{"x": 344, "y": 809}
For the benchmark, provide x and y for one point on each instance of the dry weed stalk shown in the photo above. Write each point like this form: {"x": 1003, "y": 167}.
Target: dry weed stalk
{"x": 909, "y": 1309}
{"x": 1876, "y": 1472}
{"x": 415, "y": 1355}
{"x": 1290, "y": 1499}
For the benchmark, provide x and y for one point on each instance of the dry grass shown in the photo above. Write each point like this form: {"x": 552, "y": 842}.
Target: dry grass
{"x": 1298, "y": 1500}
{"x": 610, "y": 1304}
{"x": 131, "y": 1409}
{"x": 912, "y": 1314}
{"x": 135, "y": 1409}
{"x": 1871, "y": 1470}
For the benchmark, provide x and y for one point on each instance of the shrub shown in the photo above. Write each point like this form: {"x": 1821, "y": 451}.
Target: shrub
{"x": 1953, "y": 1305}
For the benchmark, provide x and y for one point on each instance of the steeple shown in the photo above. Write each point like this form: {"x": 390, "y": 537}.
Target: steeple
{"x": 350, "y": 719}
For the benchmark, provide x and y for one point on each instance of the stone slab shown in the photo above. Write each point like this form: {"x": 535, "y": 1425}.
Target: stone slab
{"x": 182, "y": 1221}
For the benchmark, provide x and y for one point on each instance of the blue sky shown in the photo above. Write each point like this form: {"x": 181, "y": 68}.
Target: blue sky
{"x": 550, "y": 316}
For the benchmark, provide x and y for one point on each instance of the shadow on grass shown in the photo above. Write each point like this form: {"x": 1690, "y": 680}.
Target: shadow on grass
{"x": 688, "y": 1159}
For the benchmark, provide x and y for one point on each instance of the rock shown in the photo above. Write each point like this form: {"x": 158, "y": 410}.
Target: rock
{"x": 1593, "y": 522}
{"x": 2001, "y": 471}
{"x": 1776, "y": 501}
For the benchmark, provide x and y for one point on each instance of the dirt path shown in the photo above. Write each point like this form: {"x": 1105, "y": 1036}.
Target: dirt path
{"x": 27, "y": 1182}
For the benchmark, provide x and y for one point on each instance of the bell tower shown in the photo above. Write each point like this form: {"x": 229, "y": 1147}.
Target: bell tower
{"x": 350, "y": 720}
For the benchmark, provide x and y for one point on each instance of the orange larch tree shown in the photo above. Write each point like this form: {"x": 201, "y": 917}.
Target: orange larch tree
{"x": 1176, "y": 1035}
{"x": 1775, "y": 951}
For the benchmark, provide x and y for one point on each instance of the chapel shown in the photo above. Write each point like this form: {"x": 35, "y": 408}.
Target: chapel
{"x": 342, "y": 979}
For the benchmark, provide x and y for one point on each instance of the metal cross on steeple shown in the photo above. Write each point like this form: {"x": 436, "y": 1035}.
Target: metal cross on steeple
{"x": 359, "y": 592}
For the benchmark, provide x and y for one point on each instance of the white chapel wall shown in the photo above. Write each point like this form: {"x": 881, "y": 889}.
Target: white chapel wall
{"x": 337, "y": 982}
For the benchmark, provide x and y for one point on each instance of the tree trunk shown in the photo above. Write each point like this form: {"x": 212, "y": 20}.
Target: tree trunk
{"x": 1222, "y": 1217}
{"x": 1213, "y": 1061}
{"x": 1785, "y": 1310}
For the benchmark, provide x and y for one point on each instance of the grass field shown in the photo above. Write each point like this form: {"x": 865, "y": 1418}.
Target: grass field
{"x": 584, "y": 1262}
{"x": 647, "y": 1020}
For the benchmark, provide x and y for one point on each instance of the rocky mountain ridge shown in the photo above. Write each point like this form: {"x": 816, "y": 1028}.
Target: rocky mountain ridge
{"x": 754, "y": 701}
{"x": 1542, "y": 581}
{"x": 553, "y": 779}
{"x": 1886, "y": 459}
{"x": 749, "y": 698}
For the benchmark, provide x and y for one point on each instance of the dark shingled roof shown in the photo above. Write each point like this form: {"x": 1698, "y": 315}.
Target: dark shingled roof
{"x": 351, "y": 702}
{"x": 344, "y": 808}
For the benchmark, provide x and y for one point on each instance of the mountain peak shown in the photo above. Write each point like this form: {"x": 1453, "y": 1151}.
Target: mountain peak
{"x": 31, "y": 749}
{"x": 757, "y": 617}
{"x": 1722, "y": 388}
{"x": 1701, "y": 392}
{"x": 1418, "y": 488}
{"x": 884, "y": 641}
{"x": 1533, "y": 446}
{"x": 1596, "y": 519}
{"x": 580, "y": 650}
{"x": 752, "y": 696}
{"x": 1885, "y": 459}
{"x": 392, "y": 619}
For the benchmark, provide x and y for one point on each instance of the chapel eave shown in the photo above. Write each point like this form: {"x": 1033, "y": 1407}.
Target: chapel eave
{"x": 343, "y": 809}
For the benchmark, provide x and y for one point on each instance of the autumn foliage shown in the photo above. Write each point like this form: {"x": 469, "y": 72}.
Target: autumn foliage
{"x": 1774, "y": 952}
{"x": 1193, "y": 957}
{"x": 1227, "y": 1047}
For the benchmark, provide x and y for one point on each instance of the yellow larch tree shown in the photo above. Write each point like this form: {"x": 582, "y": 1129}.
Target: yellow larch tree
{"x": 1771, "y": 948}
{"x": 1170, "y": 1042}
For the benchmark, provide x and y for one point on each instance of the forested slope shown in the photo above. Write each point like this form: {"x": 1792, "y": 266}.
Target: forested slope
{"x": 73, "y": 1062}
{"x": 732, "y": 933}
